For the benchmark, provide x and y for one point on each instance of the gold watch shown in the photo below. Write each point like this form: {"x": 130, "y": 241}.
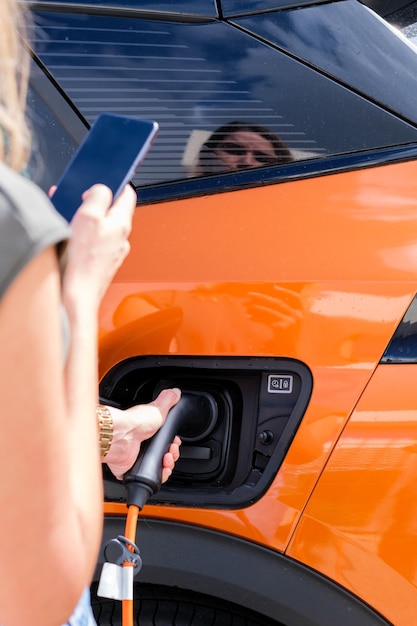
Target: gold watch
{"x": 105, "y": 422}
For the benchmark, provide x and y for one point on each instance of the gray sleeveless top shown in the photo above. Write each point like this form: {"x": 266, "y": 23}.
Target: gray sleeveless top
{"x": 28, "y": 224}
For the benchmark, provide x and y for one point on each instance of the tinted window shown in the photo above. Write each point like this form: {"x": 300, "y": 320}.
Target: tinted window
{"x": 237, "y": 7}
{"x": 403, "y": 345}
{"x": 406, "y": 21}
{"x": 350, "y": 42}
{"x": 56, "y": 130}
{"x": 52, "y": 146}
{"x": 192, "y": 78}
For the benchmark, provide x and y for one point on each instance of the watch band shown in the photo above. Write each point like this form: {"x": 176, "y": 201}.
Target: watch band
{"x": 105, "y": 421}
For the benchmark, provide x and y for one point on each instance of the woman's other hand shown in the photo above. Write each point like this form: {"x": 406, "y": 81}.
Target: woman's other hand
{"x": 133, "y": 426}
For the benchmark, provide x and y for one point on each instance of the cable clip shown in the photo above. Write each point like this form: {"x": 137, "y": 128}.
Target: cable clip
{"x": 120, "y": 550}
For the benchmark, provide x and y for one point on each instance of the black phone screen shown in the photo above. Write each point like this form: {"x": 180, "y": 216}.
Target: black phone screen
{"x": 109, "y": 154}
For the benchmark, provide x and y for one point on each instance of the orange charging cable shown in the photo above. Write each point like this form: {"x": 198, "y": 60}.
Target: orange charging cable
{"x": 130, "y": 534}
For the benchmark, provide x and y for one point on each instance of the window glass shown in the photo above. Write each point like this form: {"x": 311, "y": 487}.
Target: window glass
{"x": 56, "y": 129}
{"x": 406, "y": 21}
{"x": 52, "y": 145}
{"x": 351, "y": 43}
{"x": 237, "y": 7}
{"x": 403, "y": 345}
{"x": 193, "y": 78}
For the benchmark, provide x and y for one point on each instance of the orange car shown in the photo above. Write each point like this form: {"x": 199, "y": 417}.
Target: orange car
{"x": 273, "y": 272}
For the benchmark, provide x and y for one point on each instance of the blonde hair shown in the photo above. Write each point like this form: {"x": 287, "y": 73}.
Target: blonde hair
{"x": 14, "y": 70}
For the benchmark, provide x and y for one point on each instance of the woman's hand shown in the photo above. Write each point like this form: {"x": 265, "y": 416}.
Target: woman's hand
{"x": 133, "y": 426}
{"x": 99, "y": 242}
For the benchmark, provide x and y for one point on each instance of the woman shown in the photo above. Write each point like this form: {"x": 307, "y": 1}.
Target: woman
{"x": 51, "y": 488}
{"x": 241, "y": 145}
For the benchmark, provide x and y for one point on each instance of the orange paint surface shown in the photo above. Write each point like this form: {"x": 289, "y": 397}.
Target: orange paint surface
{"x": 319, "y": 270}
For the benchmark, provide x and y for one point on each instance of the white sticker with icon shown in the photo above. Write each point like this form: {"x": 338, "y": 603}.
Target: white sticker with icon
{"x": 280, "y": 383}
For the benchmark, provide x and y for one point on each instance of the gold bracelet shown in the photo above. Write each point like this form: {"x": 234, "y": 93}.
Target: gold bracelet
{"x": 105, "y": 422}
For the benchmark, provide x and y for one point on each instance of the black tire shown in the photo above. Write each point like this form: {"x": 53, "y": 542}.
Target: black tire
{"x": 156, "y": 605}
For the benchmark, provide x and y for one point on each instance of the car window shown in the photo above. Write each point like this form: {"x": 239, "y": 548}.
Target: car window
{"x": 351, "y": 43}
{"x": 196, "y": 77}
{"x": 56, "y": 130}
{"x": 237, "y": 7}
{"x": 405, "y": 20}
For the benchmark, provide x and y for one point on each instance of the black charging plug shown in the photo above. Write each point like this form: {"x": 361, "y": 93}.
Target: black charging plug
{"x": 194, "y": 412}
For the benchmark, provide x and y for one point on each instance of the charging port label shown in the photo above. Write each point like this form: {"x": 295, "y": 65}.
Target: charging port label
{"x": 280, "y": 383}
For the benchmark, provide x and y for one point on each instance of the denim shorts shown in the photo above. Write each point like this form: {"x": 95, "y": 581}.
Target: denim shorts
{"x": 83, "y": 615}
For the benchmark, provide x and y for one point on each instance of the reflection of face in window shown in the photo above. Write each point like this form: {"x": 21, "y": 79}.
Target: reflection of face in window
{"x": 238, "y": 146}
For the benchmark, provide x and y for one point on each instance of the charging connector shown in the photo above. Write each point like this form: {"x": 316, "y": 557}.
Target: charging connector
{"x": 194, "y": 413}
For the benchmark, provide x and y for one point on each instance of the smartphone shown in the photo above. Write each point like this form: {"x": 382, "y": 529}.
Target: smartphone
{"x": 110, "y": 152}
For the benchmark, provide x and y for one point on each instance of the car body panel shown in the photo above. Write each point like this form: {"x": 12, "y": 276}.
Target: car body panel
{"x": 356, "y": 302}
{"x": 362, "y": 517}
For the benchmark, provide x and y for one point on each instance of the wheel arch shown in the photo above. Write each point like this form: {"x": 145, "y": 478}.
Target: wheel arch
{"x": 241, "y": 572}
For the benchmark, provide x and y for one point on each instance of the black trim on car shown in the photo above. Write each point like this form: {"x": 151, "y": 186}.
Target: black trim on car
{"x": 221, "y": 183}
{"x": 230, "y": 568}
{"x": 121, "y": 11}
{"x": 259, "y": 401}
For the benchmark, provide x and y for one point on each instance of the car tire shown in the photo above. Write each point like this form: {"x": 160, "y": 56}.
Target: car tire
{"x": 157, "y": 605}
